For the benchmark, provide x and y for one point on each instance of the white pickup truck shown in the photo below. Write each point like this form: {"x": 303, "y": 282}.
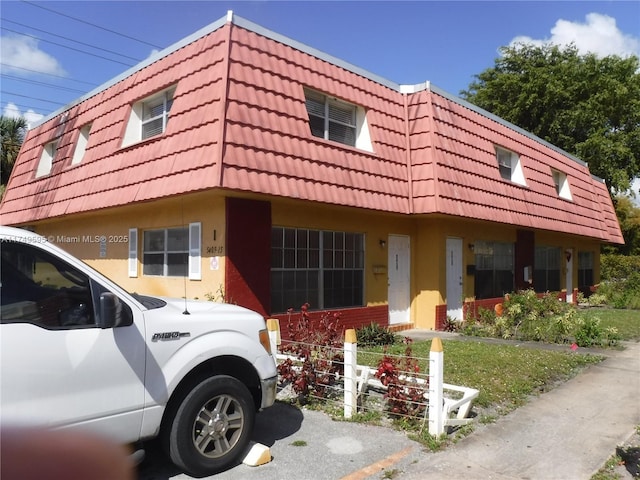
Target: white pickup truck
{"x": 77, "y": 351}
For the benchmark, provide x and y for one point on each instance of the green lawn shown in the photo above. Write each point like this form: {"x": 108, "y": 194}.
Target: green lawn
{"x": 504, "y": 374}
{"x": 626, "y": 321}
{"x": 507, "y": 373}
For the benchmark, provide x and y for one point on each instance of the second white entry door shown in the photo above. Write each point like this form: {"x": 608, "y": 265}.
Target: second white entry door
{"x": 399, "y": 290}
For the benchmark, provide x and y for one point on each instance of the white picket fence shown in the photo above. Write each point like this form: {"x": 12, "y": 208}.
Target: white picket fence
{"x": 448, "y": 405}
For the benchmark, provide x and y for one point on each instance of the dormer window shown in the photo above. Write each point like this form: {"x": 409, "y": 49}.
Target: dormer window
{"x": 149, "y": 117}
{"x": 46, "y": 159}
{"x": 509, "y": 166}
{"x": 155, "y": 114}
{"x": 562, "y": 184}
{"x": 81, "y": 145}
{"x": 337, "y": 120}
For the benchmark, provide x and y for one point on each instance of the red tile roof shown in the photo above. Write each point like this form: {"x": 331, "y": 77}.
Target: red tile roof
{"x": 239, "y": 122}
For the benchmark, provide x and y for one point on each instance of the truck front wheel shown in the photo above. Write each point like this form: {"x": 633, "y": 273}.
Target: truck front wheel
{"x": 212, "y": 426}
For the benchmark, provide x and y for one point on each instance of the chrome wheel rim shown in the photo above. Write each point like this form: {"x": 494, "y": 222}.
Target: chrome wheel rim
{"x": 218, "y": 426}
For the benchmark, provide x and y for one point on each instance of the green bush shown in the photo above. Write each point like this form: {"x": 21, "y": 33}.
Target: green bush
{"x": 617, "y": 267}
{"x": 374, "y": 335}
{"x": 526, "y": 316}
{"x": 622, "y": 293}
{"x": 597, "y": 300}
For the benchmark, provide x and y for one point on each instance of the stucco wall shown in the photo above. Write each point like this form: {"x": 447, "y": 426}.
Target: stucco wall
{"x": 428, "y": 235}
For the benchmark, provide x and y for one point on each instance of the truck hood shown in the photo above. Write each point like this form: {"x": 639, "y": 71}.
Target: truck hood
{"x": 200, "y": 316}
{"x": 198, "y": 307}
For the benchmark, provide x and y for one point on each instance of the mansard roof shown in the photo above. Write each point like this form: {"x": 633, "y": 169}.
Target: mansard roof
{"x": 239, "y": 122}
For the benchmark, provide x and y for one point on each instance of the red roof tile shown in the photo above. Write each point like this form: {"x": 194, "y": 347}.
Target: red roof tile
{"x": 240, "y": 89}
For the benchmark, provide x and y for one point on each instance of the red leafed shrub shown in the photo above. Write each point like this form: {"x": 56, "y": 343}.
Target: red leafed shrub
{"x": 405, "y": 397}
{"x": 318, "y": 345}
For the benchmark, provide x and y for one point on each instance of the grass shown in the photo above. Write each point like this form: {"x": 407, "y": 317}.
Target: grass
{"x": 627, "y": 322}
{"x": 505, "y": 375}
{"x": 626, "y": 457}
{"x": 608, "y": 471}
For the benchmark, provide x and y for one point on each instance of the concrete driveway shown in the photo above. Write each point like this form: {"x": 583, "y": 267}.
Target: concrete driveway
{"x": 326, "y": 449}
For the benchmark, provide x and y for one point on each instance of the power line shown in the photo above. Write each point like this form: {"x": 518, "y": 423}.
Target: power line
{"x": 72, "y": 40}
{"x": 91, "y": 24}
{"x": 66, "y": 46}
{"x": 9, "y": 65}
{"x": 22, "y": 105}
{"x": 44, "y": 84}
{"x": 32, "y": 98}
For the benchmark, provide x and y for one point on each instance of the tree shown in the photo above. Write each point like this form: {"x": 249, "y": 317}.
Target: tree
{"x": 12, "y": 131}
{"x": 588, "y": 106}
{"x": 629, "y": 218}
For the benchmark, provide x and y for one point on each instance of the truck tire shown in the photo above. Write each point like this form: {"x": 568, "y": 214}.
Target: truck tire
{"x": 212, "y": 426}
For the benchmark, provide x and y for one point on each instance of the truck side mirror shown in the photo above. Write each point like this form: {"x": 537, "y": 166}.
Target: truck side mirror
{"x": 113, "y": 313}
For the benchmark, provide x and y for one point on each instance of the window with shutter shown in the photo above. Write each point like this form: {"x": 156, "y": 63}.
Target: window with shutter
{"x": 336, "y": 120}
{"x": 155, "y": 114}
{"x": 166, "y": 252}
{"x": 509, "y": 166}
{"x": 149, "y": 117}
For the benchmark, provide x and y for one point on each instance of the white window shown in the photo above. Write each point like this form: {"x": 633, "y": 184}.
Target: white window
{"x": 509, "y": 166}
{"x": 170, "y": 252}
{"x": 149, "y": 117}
{"x": 337, "y": 120}
{"x": 562, "y": 184}
{"x": 46, "y": 159}
{"x": 81, "y": 145}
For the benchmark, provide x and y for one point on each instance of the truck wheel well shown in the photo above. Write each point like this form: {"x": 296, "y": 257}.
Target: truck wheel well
{"x": 224, "y": 365}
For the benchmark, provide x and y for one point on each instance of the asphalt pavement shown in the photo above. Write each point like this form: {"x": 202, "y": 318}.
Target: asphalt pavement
{"x": 567, "y": 433}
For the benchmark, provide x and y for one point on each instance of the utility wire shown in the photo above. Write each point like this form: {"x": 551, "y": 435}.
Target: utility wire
{"x": 66, "y": 46}
{"x": 44, "y": 84}
{"x": 91, "y": 24}
{"x": 33, "y": 98}
{"x": 9, "y": 65}
{"x": 72, "y": 40}
{"x": 22, "y": 105}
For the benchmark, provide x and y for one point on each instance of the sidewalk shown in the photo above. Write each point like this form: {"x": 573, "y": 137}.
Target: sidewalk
{"x": 567, "y": 433}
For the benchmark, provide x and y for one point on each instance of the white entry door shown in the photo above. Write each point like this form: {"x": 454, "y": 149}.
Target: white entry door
{"x": 454, "y": 278}
{"x": 569, "y": 274}
{"x": 399, "y": 280}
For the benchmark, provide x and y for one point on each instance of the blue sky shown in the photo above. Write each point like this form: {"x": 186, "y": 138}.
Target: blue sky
{"x": 45, "y": 64}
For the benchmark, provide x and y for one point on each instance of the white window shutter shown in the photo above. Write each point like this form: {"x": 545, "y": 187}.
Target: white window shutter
{"x": 133, "y": 252}
{"x": 195, "y": 264}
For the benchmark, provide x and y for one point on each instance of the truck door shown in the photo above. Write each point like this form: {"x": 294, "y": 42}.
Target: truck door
{"x": 58, "y": 368}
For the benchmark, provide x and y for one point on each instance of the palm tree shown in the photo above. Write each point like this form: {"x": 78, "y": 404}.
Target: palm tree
{"x": 12, "y": 131}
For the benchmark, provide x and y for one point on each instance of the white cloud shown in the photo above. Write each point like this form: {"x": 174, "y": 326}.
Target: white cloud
{"x": 11, "y": 110}
{"x": 599, "y": 35}
{"x": 21, "y": 51}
